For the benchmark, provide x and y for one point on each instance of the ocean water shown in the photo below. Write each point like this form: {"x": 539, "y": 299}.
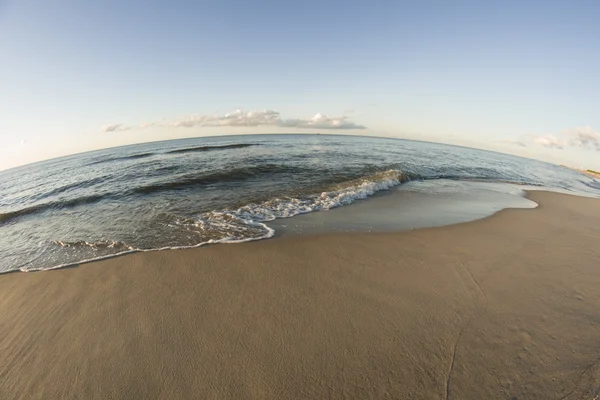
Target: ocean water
{"x": 185, "y": 193}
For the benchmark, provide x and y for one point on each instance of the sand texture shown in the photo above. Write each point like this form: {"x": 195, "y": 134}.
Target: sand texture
{"x": 503, "y": 308}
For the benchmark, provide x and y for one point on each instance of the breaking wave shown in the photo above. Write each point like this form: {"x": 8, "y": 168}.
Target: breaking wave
{"x": 247, "y": 223}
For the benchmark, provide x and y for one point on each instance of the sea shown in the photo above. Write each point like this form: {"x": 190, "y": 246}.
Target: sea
{"x": 231, "y": 189}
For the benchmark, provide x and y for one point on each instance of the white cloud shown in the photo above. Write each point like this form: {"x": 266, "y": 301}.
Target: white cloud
{"x": 320, "y": 121}
{"x": 241, "y": 118}
{"x": 237, "y": 118}
{"x": 114, "y": 128}
{"x": 550, "y": 141}
{"x": 583, "y": 137}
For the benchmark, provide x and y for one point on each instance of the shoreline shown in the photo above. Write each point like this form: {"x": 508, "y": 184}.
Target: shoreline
{"x": 411, "y": 206}
{"x": 501, "y": 307}
{"x": 389, "y": 211}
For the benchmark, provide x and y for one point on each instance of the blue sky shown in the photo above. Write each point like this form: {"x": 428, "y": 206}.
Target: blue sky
{"x": 513, "y": 76}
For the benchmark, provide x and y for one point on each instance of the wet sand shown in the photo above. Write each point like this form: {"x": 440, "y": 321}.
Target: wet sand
{"x": 507, "y": 307}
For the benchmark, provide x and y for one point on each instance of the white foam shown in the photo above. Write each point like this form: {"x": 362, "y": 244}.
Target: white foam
{"x": 248, "y": 222}
{"x": 102, "y": 244}
{"x": 230, "y": 240}
{"x": 344, "y": 195}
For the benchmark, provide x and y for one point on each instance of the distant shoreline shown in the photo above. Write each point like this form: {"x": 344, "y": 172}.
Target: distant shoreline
{"x": 589, "y": 172}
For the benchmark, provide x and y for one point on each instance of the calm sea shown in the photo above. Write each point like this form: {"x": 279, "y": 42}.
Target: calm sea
{"x": 185, "y": 193}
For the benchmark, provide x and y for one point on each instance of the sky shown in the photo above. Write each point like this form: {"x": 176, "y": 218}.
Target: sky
{"x": 519, "y": 77}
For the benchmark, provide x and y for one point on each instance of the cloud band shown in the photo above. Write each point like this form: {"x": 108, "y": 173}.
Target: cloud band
{"x": 242, "y": 118}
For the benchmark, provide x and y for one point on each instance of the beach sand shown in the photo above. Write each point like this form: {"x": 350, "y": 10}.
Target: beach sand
{"x": 507, "y": 307}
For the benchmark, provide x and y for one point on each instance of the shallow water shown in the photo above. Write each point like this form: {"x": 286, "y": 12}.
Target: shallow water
{"x": 226, "y": 189}
{"x": 412, "y": 205}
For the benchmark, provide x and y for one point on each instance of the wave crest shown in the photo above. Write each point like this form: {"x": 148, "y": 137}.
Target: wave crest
{"x": 177, "y": 151}
{"x": 339, "y": 195}
{"x": 209, "y": 148}
{"x": 248, "y": 222}
{"x": 5, "y": 217}
{"x": 234, "y": 175}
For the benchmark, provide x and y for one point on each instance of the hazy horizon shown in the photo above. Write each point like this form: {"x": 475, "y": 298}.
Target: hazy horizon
{"x": 225, "y": 135}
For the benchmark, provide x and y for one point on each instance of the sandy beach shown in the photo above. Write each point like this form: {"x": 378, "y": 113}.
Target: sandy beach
{"x": 507, "y": 307}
